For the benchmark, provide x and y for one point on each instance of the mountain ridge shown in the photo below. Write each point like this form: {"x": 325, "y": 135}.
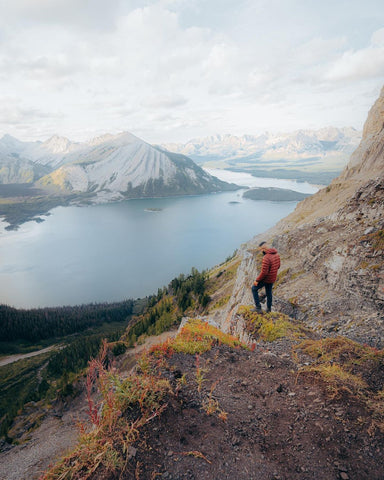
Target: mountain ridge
{"x": 120, "y": 164}
{"x": 327, "y": 148}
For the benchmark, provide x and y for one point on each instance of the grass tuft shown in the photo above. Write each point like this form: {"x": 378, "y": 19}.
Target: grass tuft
{"x": 195, "y": 337}
{"x": 270, "y": 326}
{"x": 340, "y": 349}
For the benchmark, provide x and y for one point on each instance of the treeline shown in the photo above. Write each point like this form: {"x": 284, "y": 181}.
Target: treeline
{"x": 77, "y": 354}
{"x": 190, "y": 290}
{"x": 42, "y": 323}
{"x": 167, "y": 308}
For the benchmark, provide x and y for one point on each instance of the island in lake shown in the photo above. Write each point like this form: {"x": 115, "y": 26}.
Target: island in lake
{"x": 274, "y": 194}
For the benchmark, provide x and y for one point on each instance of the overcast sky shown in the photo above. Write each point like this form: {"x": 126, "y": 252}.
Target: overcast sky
{"x": 172, "y": 70}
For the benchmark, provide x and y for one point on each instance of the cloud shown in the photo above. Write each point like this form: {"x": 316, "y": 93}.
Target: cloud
{"x": 364, "y": 63}
{"x": 164, "y": 102}
{"x": 15, "y": 114}
{"x": 97, "y": 14}
{"x": 112, "y": 65}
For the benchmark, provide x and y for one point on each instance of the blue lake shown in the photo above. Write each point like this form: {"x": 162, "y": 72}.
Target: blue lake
{"x": 125, "y": 250}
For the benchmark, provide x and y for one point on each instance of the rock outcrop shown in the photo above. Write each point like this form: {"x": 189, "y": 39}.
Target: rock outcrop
{"x": 332, "y": 249}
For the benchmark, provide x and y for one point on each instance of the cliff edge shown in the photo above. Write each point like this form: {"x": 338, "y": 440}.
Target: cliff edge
{"x": 332, "y": 249}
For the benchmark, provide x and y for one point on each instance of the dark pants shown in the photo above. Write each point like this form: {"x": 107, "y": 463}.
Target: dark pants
{"x": 268, "y": 292}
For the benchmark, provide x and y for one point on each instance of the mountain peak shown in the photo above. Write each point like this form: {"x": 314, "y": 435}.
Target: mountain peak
{"x": 367, "y": 160}
{"x": 375, "y": 121}
{"x": 120, "y": 139}
{"x": 58, "y": 144}
{"x": 10, "y": 142}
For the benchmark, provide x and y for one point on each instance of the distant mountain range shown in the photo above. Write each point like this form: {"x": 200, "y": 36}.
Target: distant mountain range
{"x": 302, "y": 151}
{"x": 110, "y": 167}
{"x": 114, "y": 167}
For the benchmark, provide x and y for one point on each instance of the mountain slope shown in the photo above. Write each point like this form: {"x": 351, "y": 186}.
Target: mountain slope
{"x": 127, "y": 166}
{"x": 18, "y": 170}
{"x": 332, "y": 249}
{"x": 14, "y": 167}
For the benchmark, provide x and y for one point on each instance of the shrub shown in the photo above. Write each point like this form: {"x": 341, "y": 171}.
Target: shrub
{"x": 195, "y": 337}
{"x": 104, "y": 449}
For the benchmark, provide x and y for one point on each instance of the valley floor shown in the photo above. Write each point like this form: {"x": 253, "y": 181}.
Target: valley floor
{"x": 57, "y": 434}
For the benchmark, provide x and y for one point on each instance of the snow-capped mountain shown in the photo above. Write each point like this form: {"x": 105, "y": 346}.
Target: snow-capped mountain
{"x": 328, "y": 147}
{"x": 112, "y": 166}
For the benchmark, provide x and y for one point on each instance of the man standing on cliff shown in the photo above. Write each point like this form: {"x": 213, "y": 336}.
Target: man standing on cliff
{"x": 267, "y": 276}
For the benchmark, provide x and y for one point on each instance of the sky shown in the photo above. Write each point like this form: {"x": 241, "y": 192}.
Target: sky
{"x": 173, "y": 70}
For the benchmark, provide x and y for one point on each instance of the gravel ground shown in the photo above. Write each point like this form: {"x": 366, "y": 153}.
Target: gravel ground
{"x": 53, "y": 438}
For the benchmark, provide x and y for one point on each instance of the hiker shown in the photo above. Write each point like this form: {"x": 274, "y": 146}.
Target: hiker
{"x": 267, "y": 276}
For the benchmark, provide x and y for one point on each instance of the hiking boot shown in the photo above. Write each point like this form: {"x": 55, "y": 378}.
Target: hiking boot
{"x": 257, "y": 310}
{"x": 262, "y": 297}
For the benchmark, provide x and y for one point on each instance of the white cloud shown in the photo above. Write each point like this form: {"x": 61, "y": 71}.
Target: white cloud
{"x": 98, "y": 14}
{"x": 181, "y": 68}
{"x": 360, "y": 64}
{"x": 164, "y": 101}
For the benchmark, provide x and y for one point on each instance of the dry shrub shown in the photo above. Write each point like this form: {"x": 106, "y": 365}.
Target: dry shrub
{"x": 340, "y": 349}
{"x": 125, "y": 407}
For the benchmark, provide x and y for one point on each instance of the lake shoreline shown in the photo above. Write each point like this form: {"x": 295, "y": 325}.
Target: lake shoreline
{"x": 17, "y": 210}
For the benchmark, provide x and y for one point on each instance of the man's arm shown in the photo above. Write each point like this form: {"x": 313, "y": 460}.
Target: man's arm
{"x": 264, "y": 270}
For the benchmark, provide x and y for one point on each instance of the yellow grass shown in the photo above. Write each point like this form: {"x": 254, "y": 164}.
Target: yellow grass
{"x": 270, "y": 326}
{"x": 195, "y": 337}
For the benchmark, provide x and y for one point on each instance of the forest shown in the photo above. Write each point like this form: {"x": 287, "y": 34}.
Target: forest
{"x": 171, "y": 303}
{"x": 42, "y": 323}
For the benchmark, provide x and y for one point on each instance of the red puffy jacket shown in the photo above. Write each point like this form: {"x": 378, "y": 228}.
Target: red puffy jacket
{"x": 269, "y": 267}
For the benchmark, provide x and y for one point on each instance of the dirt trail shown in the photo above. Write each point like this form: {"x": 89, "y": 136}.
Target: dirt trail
{"x": 14, "y": 358}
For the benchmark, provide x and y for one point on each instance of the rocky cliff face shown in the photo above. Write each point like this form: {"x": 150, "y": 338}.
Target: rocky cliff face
{"x": 332, "y": 249}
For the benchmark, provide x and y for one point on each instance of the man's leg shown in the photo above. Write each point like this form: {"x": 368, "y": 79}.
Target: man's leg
{"x": 268, "y": 291}
{"x": 255, "y": 292}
